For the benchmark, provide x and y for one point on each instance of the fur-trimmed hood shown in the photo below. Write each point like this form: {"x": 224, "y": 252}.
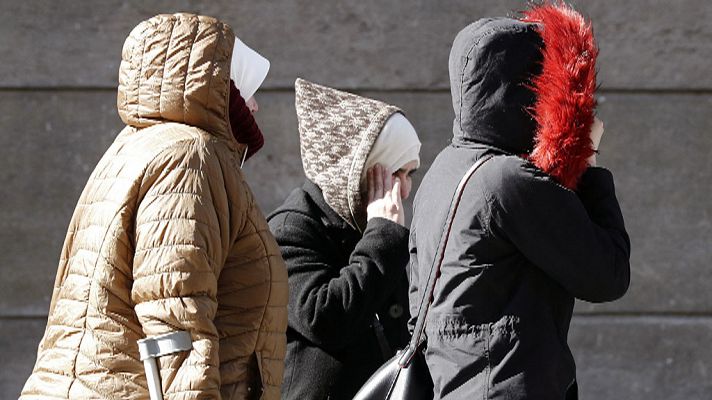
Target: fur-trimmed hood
{"x": 564, "y": 89}
{"x": 527, "y": 86}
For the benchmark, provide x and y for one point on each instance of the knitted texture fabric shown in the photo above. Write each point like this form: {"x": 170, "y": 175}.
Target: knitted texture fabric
{"x": 337, "y": 130}
{"x": 564, "y": 110}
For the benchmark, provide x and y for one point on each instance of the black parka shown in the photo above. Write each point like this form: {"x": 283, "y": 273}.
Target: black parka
{"x": 338, "y": 281}
{"x": 522, "y": 247}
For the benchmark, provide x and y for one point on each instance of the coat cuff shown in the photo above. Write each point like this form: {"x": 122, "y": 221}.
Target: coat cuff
{"x": 595, "y": 184}
{"x": 389, "y": 239}
{"x": 397, "y": 230}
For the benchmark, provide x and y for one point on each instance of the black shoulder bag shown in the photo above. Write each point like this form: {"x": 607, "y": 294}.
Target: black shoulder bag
{"x": 405, "y": 376}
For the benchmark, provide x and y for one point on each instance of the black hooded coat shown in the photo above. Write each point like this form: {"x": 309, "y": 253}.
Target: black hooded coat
{"x": 343, "y": 272}
{"x": 522, "y": 247}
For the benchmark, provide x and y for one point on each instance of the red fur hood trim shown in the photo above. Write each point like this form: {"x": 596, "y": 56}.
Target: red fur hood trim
{"x": 564, "y": 109}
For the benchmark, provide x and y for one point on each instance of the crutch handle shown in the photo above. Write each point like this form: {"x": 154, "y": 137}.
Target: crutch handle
{"x": 156, "y": 346}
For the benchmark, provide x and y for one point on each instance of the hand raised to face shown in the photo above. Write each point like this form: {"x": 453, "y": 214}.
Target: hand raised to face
{"x": 384, "y": 195}
{"x": 596, "y": 134}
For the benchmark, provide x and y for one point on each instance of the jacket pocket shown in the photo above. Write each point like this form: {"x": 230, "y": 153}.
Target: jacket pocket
{"x": 457, "y": 357}
{"x": 467, "y": 359}
{"x": 503, "y": 342}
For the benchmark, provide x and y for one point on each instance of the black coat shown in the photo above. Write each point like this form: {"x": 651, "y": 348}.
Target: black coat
{"x": 522, "y": 247}
{"x": 338, "y": 281}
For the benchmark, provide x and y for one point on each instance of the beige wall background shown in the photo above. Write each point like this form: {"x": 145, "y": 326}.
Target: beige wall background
{"x": 58, "y": 77}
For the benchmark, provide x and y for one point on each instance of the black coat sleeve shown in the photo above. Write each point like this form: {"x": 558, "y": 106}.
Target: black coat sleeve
{"x": 577, "y": 238}
{"x": 331, "y": 304}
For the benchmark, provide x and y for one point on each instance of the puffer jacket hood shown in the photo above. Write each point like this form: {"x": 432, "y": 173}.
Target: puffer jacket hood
{"x": 176, "y": 68}
{"x": 527, "y": 87}
{"x": 337, "y": 130}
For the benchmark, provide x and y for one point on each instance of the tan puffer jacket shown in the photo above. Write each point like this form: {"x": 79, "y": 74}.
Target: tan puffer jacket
{"x": 167, "y": 236}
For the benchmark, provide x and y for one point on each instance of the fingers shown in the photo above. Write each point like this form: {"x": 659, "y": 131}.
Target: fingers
{"x": 387, "y": 181}
{"x": 398, "y": 201}
{"x": 395, "y": 192}
{"x": 370, "y": 185}
{"x": 384, "y": 193}
{"x": 596, "y": 133}
{"x": 377, "y": 181}
{"x": 252, "y": 105}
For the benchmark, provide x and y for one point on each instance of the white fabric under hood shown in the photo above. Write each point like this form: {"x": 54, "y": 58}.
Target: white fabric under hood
{"x": 248, "y": 69}
{"x": 396, "y": 145}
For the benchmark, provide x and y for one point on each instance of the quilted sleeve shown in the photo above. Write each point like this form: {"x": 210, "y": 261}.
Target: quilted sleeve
{"x": 179, "y": 251}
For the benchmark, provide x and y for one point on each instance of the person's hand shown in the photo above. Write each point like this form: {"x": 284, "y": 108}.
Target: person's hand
{"x": 596, "y": 134}
{"x": 251, "y": 104}
{"x": 384, "y": 195}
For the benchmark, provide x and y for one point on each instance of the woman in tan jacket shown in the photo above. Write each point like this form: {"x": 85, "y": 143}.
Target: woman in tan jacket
{"x": 167, "y": 237}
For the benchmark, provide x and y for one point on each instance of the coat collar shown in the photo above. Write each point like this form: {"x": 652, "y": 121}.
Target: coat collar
{"x": 330, "y": 217}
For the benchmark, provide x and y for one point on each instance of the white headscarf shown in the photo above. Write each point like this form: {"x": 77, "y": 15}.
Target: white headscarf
{"x": 396, "y": 145}
{"x": 248, "y": 69}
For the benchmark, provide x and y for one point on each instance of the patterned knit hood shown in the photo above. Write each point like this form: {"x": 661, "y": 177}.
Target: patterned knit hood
{"x": 337, "y": 130}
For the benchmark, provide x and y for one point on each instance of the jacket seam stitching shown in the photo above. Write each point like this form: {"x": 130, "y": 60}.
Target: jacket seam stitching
{"x": 81, "y": 229}
{"x": 221, "y": 36}
{"x": 86, "y": 311}
{"x": 140, "y": 74}
{"x": 267, "y": 303}
{"x": 194, "y": 364}
{"x": 191, "y": 296}
{"x": 487, "y": 220}
{"x": 163, "y": 72}
{"x": 185, "y": 168}
{"x": 153, "y": 196}
{"x": 201, "y": 391}
{"x": 171, "y": 271}
{"x": 211, "y": 227}
{"x": 190, "y": 244}
{"x": 194, "y": 35}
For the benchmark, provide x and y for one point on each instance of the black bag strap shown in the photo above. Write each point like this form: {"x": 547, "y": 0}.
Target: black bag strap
{"x": 426, "y": 299}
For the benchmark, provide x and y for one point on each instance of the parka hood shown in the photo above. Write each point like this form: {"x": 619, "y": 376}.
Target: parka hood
{"x": 176, "y": 68}
{"x": 337, "y": 131}
{"x": 527, "y": 87}
{"x": 491, "y": 63}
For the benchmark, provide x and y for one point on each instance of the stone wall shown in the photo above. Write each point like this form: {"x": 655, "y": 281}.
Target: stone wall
{"x": 58, "y": 78}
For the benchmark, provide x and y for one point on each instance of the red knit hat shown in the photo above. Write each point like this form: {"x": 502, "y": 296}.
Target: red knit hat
{"x": 564, "y": 109}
